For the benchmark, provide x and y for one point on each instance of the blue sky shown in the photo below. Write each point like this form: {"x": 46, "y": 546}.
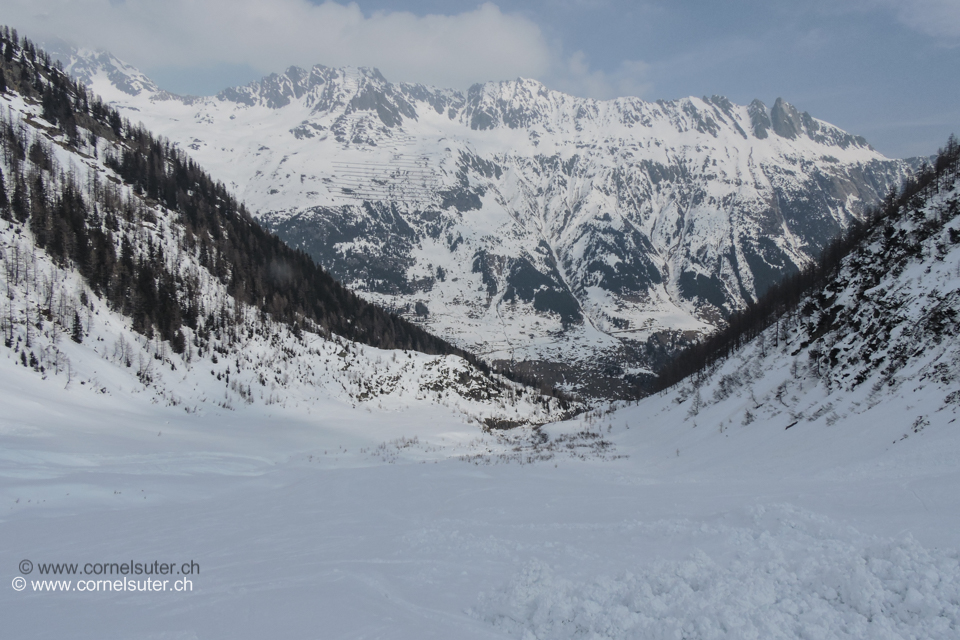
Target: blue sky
{"x": 884, "y": 69}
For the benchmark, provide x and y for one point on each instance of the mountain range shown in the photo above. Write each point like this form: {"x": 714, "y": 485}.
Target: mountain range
{"x": 582, "y": 241}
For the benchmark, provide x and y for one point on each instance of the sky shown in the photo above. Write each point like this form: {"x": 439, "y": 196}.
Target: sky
{"x": 884, "y": 69}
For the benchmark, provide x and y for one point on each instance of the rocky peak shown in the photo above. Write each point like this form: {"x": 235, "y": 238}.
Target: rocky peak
{"x": 514, "y": 103}
{"x": 327, "y": 85}
{"x": 786, "y": 120}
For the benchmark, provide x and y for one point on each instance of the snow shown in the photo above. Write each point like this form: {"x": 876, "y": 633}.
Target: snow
{"x": 660, "y": 519}
{"x": 796, "y": 581}
{"x": 765, "y": 500}
{"x": 816, "y": 531}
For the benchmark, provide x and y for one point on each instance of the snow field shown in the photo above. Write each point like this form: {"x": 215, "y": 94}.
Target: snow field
{"x": 299, "y": 525}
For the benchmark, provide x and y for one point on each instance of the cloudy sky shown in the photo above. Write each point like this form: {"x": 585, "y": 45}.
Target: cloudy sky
{"x": 884, "y": 69}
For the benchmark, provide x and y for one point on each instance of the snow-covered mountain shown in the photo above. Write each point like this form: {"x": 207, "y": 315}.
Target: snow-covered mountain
{"x": 108, "y": 289}
{"x": 805, "y": 485}
{"x": 708, "y": 511}
{"x": 525, "y": 224}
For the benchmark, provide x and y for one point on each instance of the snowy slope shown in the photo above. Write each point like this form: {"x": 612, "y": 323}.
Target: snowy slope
{"x": 878, "y": 344}
{"x": 527, "y": 224}
{"x": 673, "y": 517}
{"x": 827, "y": 532}
{"x": 298, "y": 521}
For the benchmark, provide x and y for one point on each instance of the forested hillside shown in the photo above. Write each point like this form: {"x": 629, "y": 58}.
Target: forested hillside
{"x": 80, "y": 222}
{"x": 114, "y": 239}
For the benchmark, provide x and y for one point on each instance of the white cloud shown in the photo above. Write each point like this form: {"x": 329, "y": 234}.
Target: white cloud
{"x": 457, "y": 50}
{"x": 939, "y": 18}
{"x": 576, "y": 76}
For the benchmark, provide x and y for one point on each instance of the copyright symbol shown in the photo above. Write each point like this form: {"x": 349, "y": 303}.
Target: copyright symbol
{"x": 19, "y": 584}
{"x": 26, "y": 567}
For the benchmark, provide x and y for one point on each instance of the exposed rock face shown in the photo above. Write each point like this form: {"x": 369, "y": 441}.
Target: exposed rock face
{"x": 534, "y": 225}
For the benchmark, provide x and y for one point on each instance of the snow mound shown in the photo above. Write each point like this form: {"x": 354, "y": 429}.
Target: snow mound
{"x": 792, "y": 575}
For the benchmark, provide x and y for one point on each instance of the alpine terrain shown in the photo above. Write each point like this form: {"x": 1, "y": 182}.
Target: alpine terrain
{"x": 125, "y": 266}
{"x": 581, "y": 240}
{"x": 203, "y": 435}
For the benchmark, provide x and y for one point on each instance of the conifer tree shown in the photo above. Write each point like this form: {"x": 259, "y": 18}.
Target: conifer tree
{"x": 76, "y": 333}
{"x": 4, "y": 202}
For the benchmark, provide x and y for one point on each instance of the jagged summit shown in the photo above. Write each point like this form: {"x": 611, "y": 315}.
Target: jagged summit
{"x": 514, "y": 104}
{"x": 785, "y": 121}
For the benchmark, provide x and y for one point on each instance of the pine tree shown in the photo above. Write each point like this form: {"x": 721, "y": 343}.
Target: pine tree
{"x": 21, "y": 206}
{"x": 76, "y": 334}
{"x": 4, "y": 202}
